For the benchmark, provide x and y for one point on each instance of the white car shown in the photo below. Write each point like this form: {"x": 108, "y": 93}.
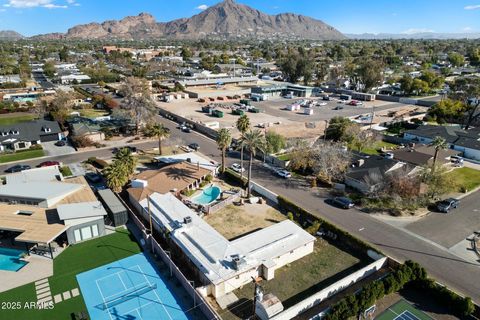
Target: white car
{"x": 237, "y": 168}
{"x": 284, "y": 174}
{"x": 321, "y": 104}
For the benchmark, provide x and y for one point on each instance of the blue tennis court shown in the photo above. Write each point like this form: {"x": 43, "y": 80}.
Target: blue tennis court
{"x": 130, "y": 288}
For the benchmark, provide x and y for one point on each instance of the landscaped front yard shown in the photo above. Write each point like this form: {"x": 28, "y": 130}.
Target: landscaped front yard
{"x": 300, "y": 279}
{"x": 467, "y": 178}
{"x": 74, "y": 260}
{"x": 21, "y": 155}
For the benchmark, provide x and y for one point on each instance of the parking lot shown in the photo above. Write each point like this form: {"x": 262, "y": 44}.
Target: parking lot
{"x": 275, "y": 116}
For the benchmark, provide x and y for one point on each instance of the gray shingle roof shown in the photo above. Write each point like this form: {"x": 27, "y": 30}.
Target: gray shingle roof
{"x": 28, "y": 131}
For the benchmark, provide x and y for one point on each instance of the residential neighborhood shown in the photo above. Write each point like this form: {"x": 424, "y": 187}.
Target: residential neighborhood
{"x": 238, "y": 164}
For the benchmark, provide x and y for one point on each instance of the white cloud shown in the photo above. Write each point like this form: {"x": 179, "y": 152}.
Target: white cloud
{"x": 202, "y": 7}
{"x": 33, "y": 4}
{"x": 417, "y": 30}
{"x": 472, "y": 7}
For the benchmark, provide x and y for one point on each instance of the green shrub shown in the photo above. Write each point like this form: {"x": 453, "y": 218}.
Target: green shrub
{"x": 66, "y": 172}
{"x": 209, "y": 178}
{"x": 233, "y": 177}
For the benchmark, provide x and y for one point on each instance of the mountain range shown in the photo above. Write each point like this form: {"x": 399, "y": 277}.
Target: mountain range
{"x": 10, "y": 35}
{"x": 225, "y": 20}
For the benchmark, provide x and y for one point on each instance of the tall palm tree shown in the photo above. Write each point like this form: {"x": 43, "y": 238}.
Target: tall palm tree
{"x": 243, "y": 124}
{"x": 252, "y": 140}
{"x": 159, "y": 131}
{"x": 224, "y": 139}
{"x": 438, "y": 143}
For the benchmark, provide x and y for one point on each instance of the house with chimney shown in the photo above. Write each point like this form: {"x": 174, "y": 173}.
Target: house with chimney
{"x": 23, "y": 135}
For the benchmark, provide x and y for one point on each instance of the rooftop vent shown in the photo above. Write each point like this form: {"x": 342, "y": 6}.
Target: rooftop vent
{"x": 46, "y": 129}
{"x": 187, "y": 220}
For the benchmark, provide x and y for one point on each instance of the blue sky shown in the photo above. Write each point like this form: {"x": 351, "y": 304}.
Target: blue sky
{"x": 31, "y": 17}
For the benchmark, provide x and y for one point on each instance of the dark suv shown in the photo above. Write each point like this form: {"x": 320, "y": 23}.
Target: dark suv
{"x": 447, "y": 205}
{"x": 341, "y": 202}
{"x": 18, "y": 168}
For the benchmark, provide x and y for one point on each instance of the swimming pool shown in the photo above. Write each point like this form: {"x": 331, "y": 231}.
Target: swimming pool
{"x": 208, "y": 195}
{"x": 10, "y": 259}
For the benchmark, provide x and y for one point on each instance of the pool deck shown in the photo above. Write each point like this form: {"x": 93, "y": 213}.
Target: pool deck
{"x": 37, "y": 268}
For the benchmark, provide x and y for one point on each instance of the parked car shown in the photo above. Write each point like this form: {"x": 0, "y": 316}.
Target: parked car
{"x": 284, "y": 174}
{"x": 326, "y": 98}
{"x": 185, "y": 129}
{"x": 18, "y": 168}
{"x": 93, "y": 177}
{"x": 355, "y": 103}
{"x": 321, "y": 104}
{"x": 60, "y": 143}
{"x": 338, "y": 108}
{"x": 194, "y": 146}
{"x": 48, "y": 164}
{"x": 341, "y": 202}
{"x": 237, "y": 168}
{"x": 457, "y": 161}
{"x": 447, "y": 205}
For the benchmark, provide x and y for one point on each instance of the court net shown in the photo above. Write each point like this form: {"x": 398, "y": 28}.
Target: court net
{"x": 127, "y": 296}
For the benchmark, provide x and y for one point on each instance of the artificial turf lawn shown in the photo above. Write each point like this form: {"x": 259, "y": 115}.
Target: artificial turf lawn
{"x": 74, "y": 260}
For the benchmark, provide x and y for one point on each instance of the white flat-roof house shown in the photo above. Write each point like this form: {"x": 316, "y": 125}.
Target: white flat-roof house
{"x": 227, "y": 265}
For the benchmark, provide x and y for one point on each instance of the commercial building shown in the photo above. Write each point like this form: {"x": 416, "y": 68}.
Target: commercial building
{"x": 225, "y": 265}
{"x": 276, "y": 89}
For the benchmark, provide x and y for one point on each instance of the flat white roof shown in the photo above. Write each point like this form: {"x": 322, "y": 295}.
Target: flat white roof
{"x": 194, "y": 158}
{"x": 81, "y": 210}
{"x": 211, "y": 252}
{"x": 45, "y": 174}
{"x": 39, "y": 190}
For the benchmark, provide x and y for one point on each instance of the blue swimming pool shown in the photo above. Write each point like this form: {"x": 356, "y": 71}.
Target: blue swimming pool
{"x": 10, "y": 259}
{"x": 208, "y": 195}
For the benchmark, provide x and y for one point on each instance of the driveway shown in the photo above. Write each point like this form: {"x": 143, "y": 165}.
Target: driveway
{"x": 449, "y": 229}
{"x": 52, "y": 150}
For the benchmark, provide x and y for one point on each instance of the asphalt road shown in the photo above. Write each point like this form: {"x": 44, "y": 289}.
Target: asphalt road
{"x": 458, "y": 274}
{"x": 449, "y": 229}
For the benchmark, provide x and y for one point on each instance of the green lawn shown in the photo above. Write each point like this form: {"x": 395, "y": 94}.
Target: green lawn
{"x": 284, "y": 157}
{"x": 93, "y": 113}
{"x": 6, "y": 120}
{"x": 22, "y": 155}
{"x": 467, "y": 178}
{"x": 373, "y": 150}
{"x": 74, "y": 260}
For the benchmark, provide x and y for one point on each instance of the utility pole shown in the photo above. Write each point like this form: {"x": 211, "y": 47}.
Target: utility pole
{"x": 150, "y": 221}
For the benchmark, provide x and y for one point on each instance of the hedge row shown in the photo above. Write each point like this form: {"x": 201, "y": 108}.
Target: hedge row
{"x": 233, "y": 177}
{"x": 307, "y": 219}
{"x": 411, "y": 274}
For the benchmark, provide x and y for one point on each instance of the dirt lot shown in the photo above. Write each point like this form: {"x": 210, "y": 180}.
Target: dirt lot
{"x": 292, "y": 124}
{"x": 234, "y": 221}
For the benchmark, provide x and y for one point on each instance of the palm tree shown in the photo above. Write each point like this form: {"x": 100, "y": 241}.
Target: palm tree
{"x": 115, "y": 176}
{"x": 224, "y": 139}
{"x": 252, "y": 141}
{"x": 125, "y": 160}
{"x": 159, "y": 131}
{"x": 243, "y": 124}
{"x": 438, "y": 143}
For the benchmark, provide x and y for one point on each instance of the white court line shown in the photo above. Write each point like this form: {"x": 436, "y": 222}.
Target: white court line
{"x": 103, "y": 298}
{"x": 155, "y": 291}
{"x": 122, "y": 280}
